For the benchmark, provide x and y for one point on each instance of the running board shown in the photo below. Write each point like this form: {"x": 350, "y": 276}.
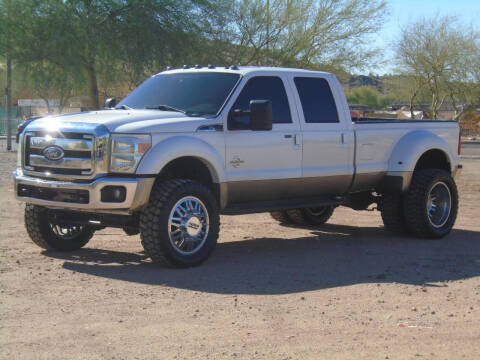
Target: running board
{"x": 265, "y": 206}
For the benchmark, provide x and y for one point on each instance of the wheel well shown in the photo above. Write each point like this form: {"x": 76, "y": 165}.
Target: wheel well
{"x": 190, "y": 167}
{"x": 433, "y": 159}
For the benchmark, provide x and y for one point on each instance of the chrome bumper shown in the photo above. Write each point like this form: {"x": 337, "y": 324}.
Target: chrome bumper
{"x": 137, "y": 193}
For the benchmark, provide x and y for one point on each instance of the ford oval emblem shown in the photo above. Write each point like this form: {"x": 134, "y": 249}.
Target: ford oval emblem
{"x": 53, "y": 153}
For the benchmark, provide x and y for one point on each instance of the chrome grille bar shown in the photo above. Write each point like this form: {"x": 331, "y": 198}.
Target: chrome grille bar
{"x": 66, "y": 144}
{"x": 64, "y": 163}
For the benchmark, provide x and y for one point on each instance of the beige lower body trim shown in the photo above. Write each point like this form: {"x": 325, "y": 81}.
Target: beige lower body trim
{"x": 280, "y": 189}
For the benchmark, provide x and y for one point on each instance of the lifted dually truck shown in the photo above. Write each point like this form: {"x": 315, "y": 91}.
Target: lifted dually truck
{"x": 190, "y": 144}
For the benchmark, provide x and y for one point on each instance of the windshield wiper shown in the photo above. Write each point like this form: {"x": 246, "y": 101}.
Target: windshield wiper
{"x": 124, "y": 107}
{"x": 166, "y": 108}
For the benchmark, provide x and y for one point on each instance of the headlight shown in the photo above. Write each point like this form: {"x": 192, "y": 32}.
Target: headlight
{"x": 127, "y": 150}
{"x": 20, "y": 151}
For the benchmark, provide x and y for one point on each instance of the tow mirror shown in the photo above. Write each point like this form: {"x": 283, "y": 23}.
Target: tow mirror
{"x": 110, "y": 103}
{"x": 261, "y": 115}
{"x": 259, "y": 118}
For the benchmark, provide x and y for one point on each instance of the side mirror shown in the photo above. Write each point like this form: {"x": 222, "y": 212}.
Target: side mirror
{"x": 110, "y": 103}
{"x": 261, "y": 115}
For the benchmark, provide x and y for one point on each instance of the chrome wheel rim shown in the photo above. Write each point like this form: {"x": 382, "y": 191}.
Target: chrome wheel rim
{"x": 188, "y": 225}
{"x": 66, "y": 232}
{"x": 317, "y": 211}
{"x": 439, "y": 204}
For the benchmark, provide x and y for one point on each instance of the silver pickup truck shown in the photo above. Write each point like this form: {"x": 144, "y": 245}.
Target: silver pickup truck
{"x": 190, "y": 144}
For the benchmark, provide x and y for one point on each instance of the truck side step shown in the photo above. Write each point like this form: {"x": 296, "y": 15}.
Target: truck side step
{"x": 265, "y": 206}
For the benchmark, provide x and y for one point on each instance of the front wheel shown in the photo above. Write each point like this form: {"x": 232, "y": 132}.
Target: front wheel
{"x": 431, "y": 204}
{"x": 49, "y": 234}
{"x": 180, "y": 225}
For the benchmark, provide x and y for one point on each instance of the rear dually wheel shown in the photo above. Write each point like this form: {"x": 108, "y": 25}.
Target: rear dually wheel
{"x": 431, "y": 204}
{"x": 311, "y": 216}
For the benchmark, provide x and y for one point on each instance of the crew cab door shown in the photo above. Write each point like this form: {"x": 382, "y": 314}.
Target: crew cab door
{"x": 328, "y": 141}
{"x": 261, "y": 165}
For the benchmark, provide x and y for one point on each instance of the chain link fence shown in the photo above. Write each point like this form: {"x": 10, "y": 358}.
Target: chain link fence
{"x": 4, "y": 123}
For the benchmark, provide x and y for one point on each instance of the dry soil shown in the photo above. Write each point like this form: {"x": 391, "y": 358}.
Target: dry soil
{"x": 348, "y": 290}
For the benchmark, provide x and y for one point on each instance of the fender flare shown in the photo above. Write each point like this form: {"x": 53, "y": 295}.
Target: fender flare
{"x": 180, "y": 146}
{"x": 412, "y": 146}
{"x": 405, "y": 155}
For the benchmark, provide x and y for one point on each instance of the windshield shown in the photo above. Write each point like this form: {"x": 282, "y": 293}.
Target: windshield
{"x": 193, "y": 93}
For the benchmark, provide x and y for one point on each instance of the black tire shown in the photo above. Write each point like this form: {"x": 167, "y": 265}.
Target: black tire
{"x": 281, "y": 216}
{"x": 393, "y": 214}
{"x": 311, "y": 216}
{"x": 131, "y": 231}
{"x": 425, "y": 182}
{"x": 44, "y": 232}
{"x": 155, "y": 228}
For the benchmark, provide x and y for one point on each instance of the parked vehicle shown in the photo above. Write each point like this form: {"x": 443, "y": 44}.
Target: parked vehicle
{"x": 190, "y": 144}
{"x": 23, "y": 125}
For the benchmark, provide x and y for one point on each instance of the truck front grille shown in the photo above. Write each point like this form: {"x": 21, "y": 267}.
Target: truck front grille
{"x": 62, "y": 154}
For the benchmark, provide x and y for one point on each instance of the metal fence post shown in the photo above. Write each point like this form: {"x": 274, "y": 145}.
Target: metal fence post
{"x": 8, "y": 98}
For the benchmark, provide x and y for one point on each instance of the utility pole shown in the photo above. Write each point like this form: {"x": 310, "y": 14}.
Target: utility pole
{"x": 8, "y": 101}
{"x": 268, "y": 32}
{"x": 8, "y": 87}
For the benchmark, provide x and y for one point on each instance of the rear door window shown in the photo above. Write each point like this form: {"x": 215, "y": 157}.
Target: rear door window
{"x": 317, "y": 100}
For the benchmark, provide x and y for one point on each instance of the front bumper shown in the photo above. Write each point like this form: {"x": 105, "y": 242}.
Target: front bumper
{"x": 82, "y": 196}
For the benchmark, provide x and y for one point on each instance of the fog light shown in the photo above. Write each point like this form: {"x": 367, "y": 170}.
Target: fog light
{"x": 115, "y": 194}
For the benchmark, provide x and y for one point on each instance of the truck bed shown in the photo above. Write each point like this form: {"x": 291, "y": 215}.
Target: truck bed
{"x": 377, "y": 138}
{"x": 364, "y": 120}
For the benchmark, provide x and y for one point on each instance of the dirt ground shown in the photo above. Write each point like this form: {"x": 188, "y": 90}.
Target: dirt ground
{"x": 346, "y": 291}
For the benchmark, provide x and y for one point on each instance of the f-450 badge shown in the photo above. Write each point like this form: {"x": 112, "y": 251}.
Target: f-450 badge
{"x": 236, "y": 162}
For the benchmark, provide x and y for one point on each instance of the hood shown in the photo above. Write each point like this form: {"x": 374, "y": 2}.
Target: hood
{"x": 124, "y": 121}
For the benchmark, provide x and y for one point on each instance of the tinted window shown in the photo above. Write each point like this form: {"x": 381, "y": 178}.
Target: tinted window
{"x": 195, "y": 93}
{"x": 264, "y": 88}
{"x": 317, "y": 100}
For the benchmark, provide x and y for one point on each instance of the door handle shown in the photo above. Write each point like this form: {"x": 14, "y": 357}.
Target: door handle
{"x": 296, "y": 139}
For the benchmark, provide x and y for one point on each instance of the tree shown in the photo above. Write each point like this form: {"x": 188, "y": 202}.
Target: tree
{"x": 98, "y": 37}
{"x": 306, "y": 33}
{"x": 442, "y": 56}
{"x": 49, "y": 81}
{"x": 113, "y": 45}
{"x": 367, "y": 95}
{"x": 6, "y": 50}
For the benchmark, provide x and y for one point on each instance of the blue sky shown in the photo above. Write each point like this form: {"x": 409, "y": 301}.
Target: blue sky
{"x": 401, "y": 12}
